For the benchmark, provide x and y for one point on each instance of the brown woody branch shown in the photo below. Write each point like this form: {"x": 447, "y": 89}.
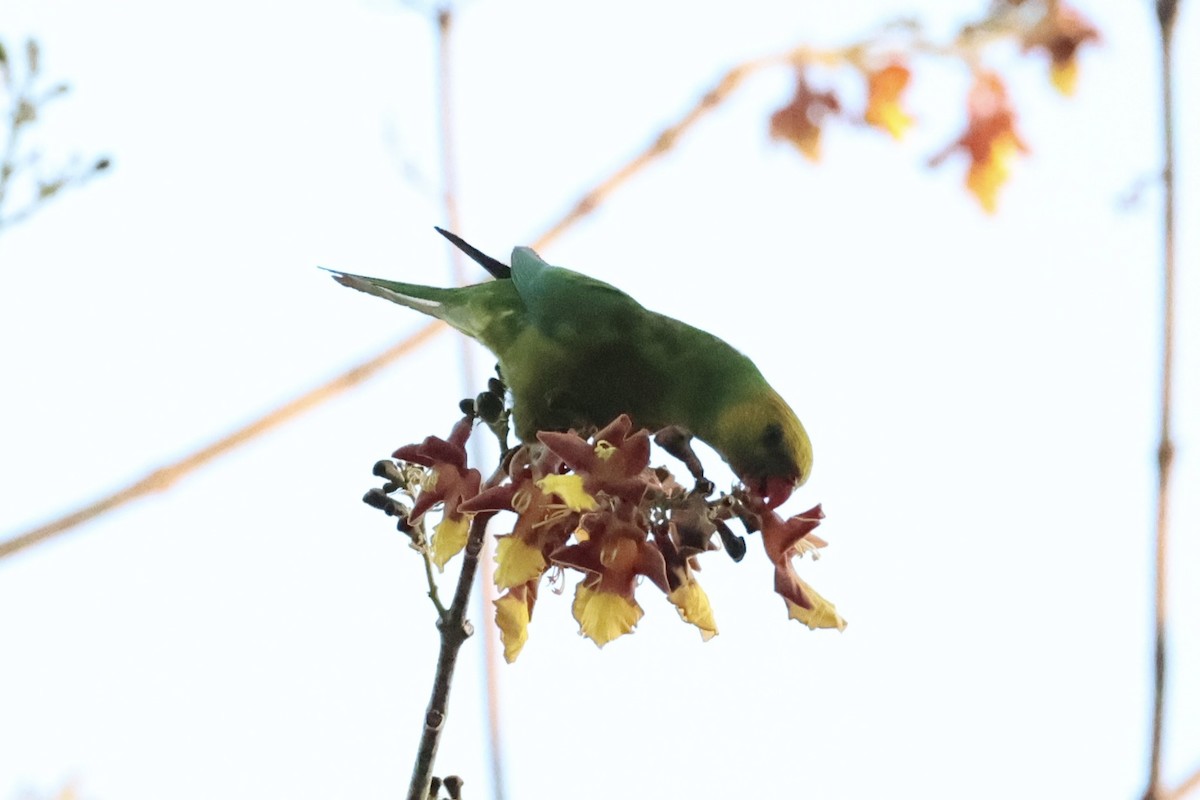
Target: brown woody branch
{"x": 164, "y": 477}
{"x": 1189, "y": 785}
{"x": 1167, "y": 11}
{"x": 454, "y": 629}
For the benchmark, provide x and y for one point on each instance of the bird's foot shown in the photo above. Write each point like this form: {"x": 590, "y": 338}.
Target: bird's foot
{"x": 678, "y": 443}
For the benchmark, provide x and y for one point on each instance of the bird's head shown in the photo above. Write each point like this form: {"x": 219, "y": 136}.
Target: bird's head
{"x": 765, "y": 444}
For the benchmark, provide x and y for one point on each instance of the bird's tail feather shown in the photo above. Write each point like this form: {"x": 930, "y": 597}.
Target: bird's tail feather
{"x": 445, "y": 304}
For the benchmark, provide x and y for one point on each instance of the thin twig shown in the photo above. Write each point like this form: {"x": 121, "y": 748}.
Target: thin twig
{"x": 72, "y": 180}
{"x": 164, "y": 477}
{"x": 445, "y": 21}
{"x": 431, "y": 580}
{"x": 969, "y": 39}
{"x": 454, "y": 631}
{"x": 661, "y": 145}
{"x": 491, "y": 654}
{"x": 18, "y": 117}
{"x": 1189, "y": 785}
{"x": 25, "y": 109}
{"x": 1167, "y": 10}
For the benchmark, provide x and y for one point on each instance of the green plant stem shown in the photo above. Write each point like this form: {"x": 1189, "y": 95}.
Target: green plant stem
{"x": 436, "y": 598}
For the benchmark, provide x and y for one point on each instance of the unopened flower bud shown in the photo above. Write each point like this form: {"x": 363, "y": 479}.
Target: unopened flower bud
{"x": 734, "y": 544}
{"x": 387, "y": 470}
{"x": 489, "y": 407}
{"x": 377, "y": 498}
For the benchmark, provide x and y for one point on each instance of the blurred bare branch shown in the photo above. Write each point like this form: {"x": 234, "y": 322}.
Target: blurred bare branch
{"x": 1166, "y": 12}
{"x": 447, "y": 138}
{"x": 165, "y": 477}
{"x": 22, "y": 181}
{"x": 1191, "y": 784}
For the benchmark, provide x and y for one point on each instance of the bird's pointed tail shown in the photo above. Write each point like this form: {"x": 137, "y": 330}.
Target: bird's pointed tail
{"x": 445, "y": 304}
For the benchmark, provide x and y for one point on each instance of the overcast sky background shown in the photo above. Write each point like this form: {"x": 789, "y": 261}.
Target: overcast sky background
{"x": 981, "y": 392}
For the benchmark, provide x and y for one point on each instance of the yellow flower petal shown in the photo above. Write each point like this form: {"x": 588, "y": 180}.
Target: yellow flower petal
{"x": 823, "y": 614}
{"x": 517, "y": 562}
{"x": 603, "y": 616}
{"x": 1064, "y": 75}
{"x": 449, "y": 537}
{"x": 512, "y": 618}
{"x": 891, "y": 118}
{"x": 884, "y": 91}
{"x": 692, "y": 604}
{"x": 809, "y": 143}
{"x": 985, "y": 178}
{"x": 569, "y": 489}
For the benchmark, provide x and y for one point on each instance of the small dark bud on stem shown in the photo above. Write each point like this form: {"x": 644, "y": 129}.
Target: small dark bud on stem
{"x": 734, "y": 544}
{"x": 388, "y": 471}
{"x": 489, "y": 407}
{"x": 378, "y": 498}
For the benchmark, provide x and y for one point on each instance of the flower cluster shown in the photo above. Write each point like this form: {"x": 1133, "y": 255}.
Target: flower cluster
{"x": 1060, "y": 32}
{"x": 883, "y": 64}
{"x": 448, "y": 482}
{"x": 800, "y": 121}
{"x": 595, "y": 506}
{"x": 990, "y": 141}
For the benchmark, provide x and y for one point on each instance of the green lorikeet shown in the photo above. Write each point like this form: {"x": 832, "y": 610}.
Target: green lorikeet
{"x": 577, "y": 352}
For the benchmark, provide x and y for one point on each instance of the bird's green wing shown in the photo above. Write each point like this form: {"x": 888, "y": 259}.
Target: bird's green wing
{"x": 577, "y": 363}
{"x": 571, "y": 307}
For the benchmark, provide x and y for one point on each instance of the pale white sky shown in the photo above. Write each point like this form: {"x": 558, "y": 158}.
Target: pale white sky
{"x": 980, "y": 392}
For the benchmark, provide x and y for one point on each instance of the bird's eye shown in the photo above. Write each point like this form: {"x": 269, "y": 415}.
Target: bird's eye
{"x": 772, "y": 435}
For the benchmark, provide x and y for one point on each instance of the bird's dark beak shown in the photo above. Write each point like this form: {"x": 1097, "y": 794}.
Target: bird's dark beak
{"x": 774, "y": 491}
